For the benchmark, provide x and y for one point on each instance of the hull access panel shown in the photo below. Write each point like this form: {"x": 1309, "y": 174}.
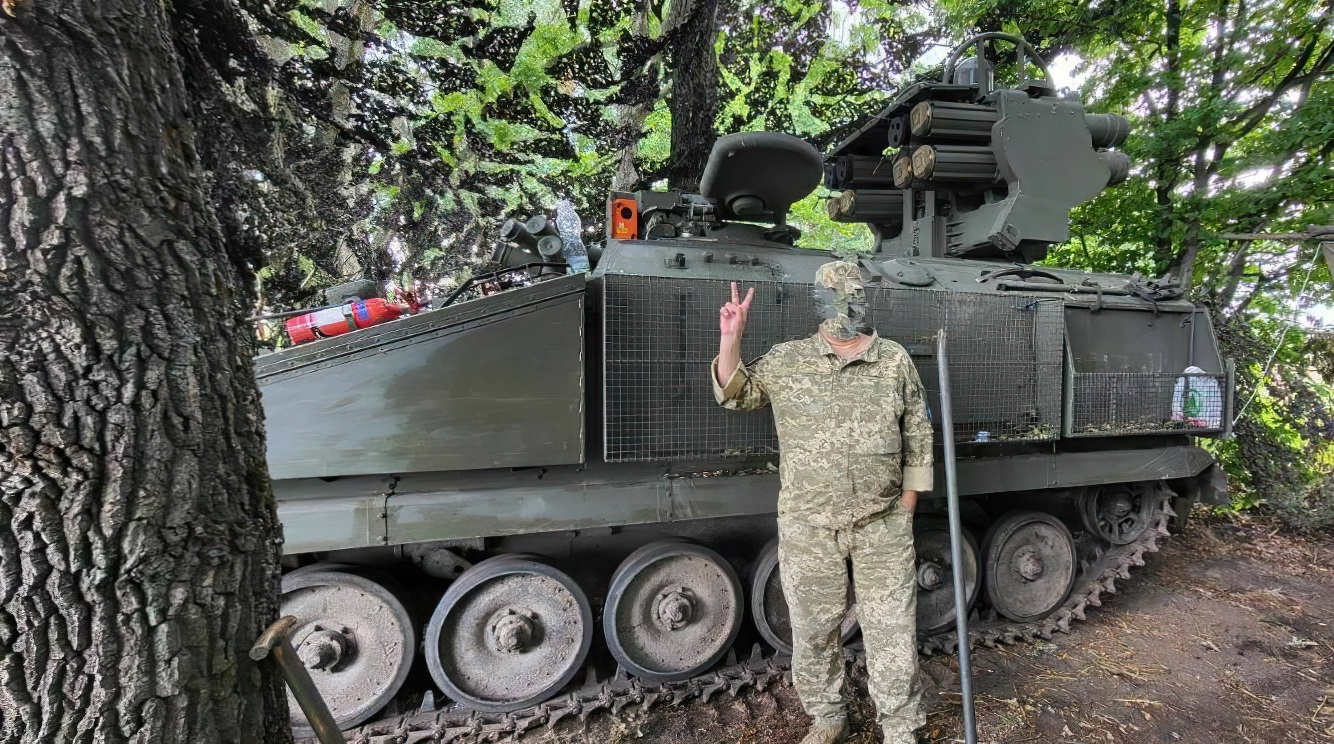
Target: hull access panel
{"x": 496, "y": 382}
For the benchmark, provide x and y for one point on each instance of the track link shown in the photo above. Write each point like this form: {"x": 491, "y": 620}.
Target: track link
{"x": 454, "y": 725}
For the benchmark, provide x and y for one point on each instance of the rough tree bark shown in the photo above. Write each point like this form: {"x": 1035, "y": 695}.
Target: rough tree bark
{"x": 138, "y": 552}
{"x": 1167, "y": 172}
{"x": 631, "y": 116}
{"x": 694, "y": 97}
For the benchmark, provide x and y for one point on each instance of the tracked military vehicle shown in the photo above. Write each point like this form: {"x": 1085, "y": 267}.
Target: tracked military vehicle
{"x": 506, "y": 510}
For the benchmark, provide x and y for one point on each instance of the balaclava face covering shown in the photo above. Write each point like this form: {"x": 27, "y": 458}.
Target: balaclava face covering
{"x": 840, "y": 299}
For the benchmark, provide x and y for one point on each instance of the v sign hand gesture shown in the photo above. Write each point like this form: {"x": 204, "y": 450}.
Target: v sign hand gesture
{"x": 732, "y": 316}
{"x": 732, "y": 323}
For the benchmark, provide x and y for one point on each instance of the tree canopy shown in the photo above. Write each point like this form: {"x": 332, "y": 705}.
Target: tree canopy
{"x": 427, "y": 122}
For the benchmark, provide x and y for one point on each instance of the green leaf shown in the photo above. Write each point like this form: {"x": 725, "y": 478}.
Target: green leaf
{"x": 308, "y": 25}
{"x": 424, "y": 46}
{"x": 444, "y": 103}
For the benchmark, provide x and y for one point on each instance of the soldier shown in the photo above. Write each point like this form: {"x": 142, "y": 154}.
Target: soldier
{"x": 856, "y": 443}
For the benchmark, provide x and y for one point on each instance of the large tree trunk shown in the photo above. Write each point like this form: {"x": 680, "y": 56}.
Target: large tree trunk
{"x": 1167, "y": 167}
{"x": 139, "y": 552}
{"x": 694, "y": 97}
{"x": 631, "y": 115}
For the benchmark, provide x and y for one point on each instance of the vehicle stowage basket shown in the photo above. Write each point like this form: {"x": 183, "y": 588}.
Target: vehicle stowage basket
{"x": 1120, "y": 403}
{"x": 1135, "y": 373}
{"x": 660, "y": 334}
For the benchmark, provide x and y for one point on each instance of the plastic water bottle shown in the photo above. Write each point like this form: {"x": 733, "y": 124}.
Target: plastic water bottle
{"x": 570, "y": 226}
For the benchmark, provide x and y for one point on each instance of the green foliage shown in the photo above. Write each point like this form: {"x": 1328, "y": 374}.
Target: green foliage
{"x": 807, "y": 68}
{"x": 458, "y": 114}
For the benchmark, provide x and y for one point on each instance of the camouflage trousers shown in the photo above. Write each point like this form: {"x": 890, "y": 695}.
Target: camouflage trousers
{"x": 813, "y": 562}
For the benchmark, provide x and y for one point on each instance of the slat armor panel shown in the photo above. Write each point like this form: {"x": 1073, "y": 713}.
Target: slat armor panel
{"x": 660, "y": 334}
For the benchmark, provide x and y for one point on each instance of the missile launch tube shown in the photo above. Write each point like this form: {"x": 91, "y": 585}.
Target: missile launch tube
{"x": 948, "y": 120}
{"x": 867, "y": 206}
{"x": 955, "y": 163}
{"x": 1107, "y": 130}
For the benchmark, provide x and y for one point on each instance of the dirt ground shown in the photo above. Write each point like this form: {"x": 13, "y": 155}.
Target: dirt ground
{"x": 1226, "y": 635}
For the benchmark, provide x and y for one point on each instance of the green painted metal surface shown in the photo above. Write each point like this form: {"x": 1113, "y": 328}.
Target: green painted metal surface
{"x": 500, "y": 384}
{"x": 497, "y": 503}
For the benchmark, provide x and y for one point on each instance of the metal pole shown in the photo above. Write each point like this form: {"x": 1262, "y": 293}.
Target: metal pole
{"x": 277, "y": 640}
{"x": 956, "y": 542}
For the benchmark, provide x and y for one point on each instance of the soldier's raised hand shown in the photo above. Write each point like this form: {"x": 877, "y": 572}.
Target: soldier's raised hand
{"x": 732, "y": 316}
{"x": 732, "y": 323}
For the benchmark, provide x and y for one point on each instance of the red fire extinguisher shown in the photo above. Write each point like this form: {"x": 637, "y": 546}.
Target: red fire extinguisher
{"x": 351, "y": 315}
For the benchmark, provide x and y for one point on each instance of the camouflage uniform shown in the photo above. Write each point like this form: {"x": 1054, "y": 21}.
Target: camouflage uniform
{"x": 854, "y": 433}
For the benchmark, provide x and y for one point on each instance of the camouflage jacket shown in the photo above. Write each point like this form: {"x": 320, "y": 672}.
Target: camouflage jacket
{"x": 853, "y": 433}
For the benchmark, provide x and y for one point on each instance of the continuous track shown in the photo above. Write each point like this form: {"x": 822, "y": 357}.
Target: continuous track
{"x": 454, "y": 725}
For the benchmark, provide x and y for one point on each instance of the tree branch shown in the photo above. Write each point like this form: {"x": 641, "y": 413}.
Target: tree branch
{"x": 1254, "y": 116}
{"x": 1323, "y": 232}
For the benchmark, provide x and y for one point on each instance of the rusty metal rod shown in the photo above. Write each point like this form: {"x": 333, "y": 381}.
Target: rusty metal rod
{"x": 277, "y": 640}
{"x": 956, "y": 542}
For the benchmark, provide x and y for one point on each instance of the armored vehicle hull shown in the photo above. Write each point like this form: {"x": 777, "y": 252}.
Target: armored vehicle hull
{"x": 573, "y": 420}
{"x": 498, "y": 498}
